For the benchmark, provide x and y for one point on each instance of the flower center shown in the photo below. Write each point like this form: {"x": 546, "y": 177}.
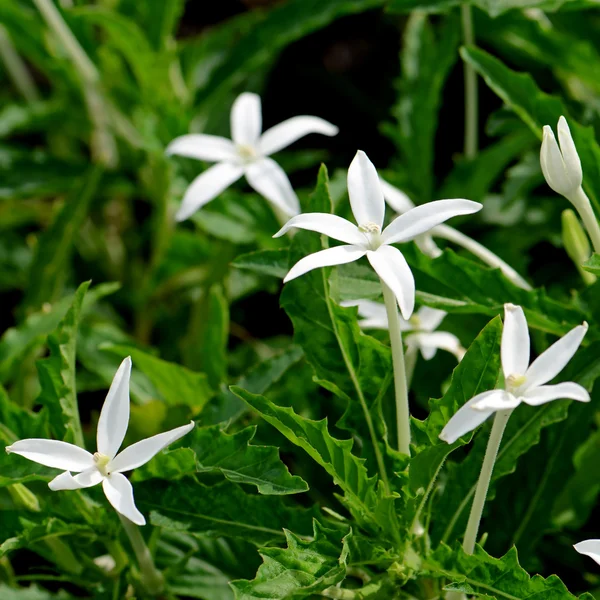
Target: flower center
{"x": 372, "y": 232}
{"x": 247, "y": 153}
{"x": 515, "y": 381}
{"x": 415, "y": 321}
{"x": 101, "y": 461}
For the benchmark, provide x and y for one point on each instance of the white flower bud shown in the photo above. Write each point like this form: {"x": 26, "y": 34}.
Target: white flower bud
{"x": 561, "y": 166}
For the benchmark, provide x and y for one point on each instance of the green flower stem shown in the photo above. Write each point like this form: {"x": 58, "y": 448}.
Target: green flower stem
{"x": 400, "y": 382}
{"x": 410, "y": 362}
{"x": 584, "y": 207}
{"x": 500, "y": 421}
{"x": 453, "y": 235}
{"x": 16, "y": 68}
{"x": 63, "y": 556}
{"x": 152, "y": 578}
{"x": 471, "y": 100}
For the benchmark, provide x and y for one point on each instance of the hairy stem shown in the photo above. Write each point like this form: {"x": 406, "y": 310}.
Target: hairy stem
{"x": 500, "y": 421}
{"x": 400, "y": 381}
{"x": 471, "y": 100}
{"x": 152, "y": 578}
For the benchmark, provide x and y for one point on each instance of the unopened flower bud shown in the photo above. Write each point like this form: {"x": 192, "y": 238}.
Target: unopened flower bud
{"x": 23, "y": 497}
{"x": 576, "y": 243}
{"x": 561, "y": 165}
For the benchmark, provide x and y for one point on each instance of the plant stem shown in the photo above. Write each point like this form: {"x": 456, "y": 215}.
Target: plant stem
{"x": 400, "y": 382}
{"x": 152, "y": 578}
{"x": 410, "y": 361}
{"x": 16, "y": 68}
{"x": 584, "y": 207}
{"x": 471, "y": 100}
{"x": 487, "y": 256}
{"x": 500, "y": 421}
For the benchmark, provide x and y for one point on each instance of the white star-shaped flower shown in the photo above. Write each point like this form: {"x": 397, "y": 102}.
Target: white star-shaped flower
{"x": 420, "y": 328}
{"x": 522, "y": 382}
{"x": 245, "y": 154}
{"x": 589, "y": 548}
{"x": 104, "y": 466}
{"x": 368, "y": 208}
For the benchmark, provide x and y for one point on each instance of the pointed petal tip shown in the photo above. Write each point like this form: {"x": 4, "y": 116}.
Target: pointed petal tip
{"x": 8, "y": 449}
{"x": 547, "y": 132}
{"x": 585, "y": 325}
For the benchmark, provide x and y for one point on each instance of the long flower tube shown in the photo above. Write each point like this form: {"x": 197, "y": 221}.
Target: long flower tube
{"x": 523, "y": 383}
{"x": 400, "y": 203}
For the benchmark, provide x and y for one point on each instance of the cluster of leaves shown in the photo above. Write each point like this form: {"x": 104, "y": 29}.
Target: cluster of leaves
{"x": 290, "y": 485}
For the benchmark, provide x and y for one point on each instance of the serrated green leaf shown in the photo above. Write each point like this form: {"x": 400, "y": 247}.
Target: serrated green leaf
{"x": 57, "y": 374}
{"x": 210, "y": 449}
{"x": 363, "y": 497}
{"x": 299, "y": 571}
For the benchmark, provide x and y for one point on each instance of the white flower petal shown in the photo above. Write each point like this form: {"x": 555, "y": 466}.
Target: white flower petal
{"x": 207, "y": 186}
{"x": 422, "y": 218}
{"x": 514, "y": 349}
{"x": 466, "y": 418}
{"x": 114, "y": 417}
{"x": 426, "y": 244}
{"x": 430, "y": 318}
{"x": 395, "y": 198}
{"x": 430, "y": 342}
{"x": 286, "y": 133}
{"x": 340, "y": 255}
{"x": 141, "y": 452}
{"x": 364, "y": 190}
{"x": 203, "y": 147}
{"x": 569, "y": 153}
{"x": 271, "y": 182}
{"x": 331, "y": 225}
{"x": 246, "y": 119}
{"x": 53, "y": 453}
{"x": 589, "y": 548}
{"x": 374, "y": 315}
{"x": 85, "y": 479}
{"x": 391, "y": 266}
{"x": 561, "y": 391}
{"x": 552, "y": 361}
{"x": 500, "y": 401}
{"x": 552, "y": 163}
{"x": 119, "y": 493}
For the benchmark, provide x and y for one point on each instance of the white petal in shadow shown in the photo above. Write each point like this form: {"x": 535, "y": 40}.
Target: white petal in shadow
{"x": 246, "y": 119}
{"x": 271, "y": 182}
{"x": 423, "y": 218}
{"x": 114, "y": 417}
{"x": 119, "y": 493}
{"x": 392, "y": 268}
{"x": 560, "y": 391}
{"x": 207, "y": 186}
{"x": 466, "y": 419}
{"x": 553, "y": 360}
{"x": 501, "y": 401}
{"x": 329, "y": 257}
{"x": 589, "y": 548}
{"x": 141, "y": 452}
{"x": 429, "y": 343}
{"x": 53, "y": 453}
{"x": 552, "y": 163}
{"x": 569, "y": 153}
{"x": 395, "y": 198}
{"x": 331, "y": 225}
{"x": 282, "y": 135}
{"x": 514, "y": 348}
{"x": 85, "y": 479}
{"x": 364, "y": 190}
{"x": 203, "y": 147}
{"x": 430, "y": 318}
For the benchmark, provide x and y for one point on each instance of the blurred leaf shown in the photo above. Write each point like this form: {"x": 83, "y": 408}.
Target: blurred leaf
{"x": 592, "y": 264}
{"x": 57, "y": 375}
{"x": 493, "y": 7}
{"x": 213, "y": 345}
{"x": 210, "y": 449}
{"x": 301, "y": 570}
{"x": 265, "y": 262}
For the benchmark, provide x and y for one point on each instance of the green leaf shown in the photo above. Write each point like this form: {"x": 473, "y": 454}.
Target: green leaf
{"x": 223, "y": 509}
{"x": 592, "y": 264}
{"x": 501, "y": 578}
{"x": 176, "y": 385}
{"x": 299, "y": 571}
{"x": 31, "y": 593}
{"x": 57, "y": 374}
{"x": 264, "y": 262}
{"x": 210, "y": 449}
{"x": 536, "y": 109}
{"x": 213, "y": 345}
{"x": 55, "y": 245}
{"x": 363, "y": 497}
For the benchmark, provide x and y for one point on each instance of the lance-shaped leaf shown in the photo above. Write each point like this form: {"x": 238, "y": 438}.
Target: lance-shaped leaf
{"x": 480, "y": 573}
{"x": 222, "y": 509}
{"x": 210, "y": 449}
{"x": 299, "y": 571}
{"x": 57, "y": 375}
{"x": 367, "y": 501}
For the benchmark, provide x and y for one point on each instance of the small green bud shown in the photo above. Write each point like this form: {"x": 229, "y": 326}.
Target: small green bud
{"x": 576, "y": 243}
{"x": 23, "y": 497}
